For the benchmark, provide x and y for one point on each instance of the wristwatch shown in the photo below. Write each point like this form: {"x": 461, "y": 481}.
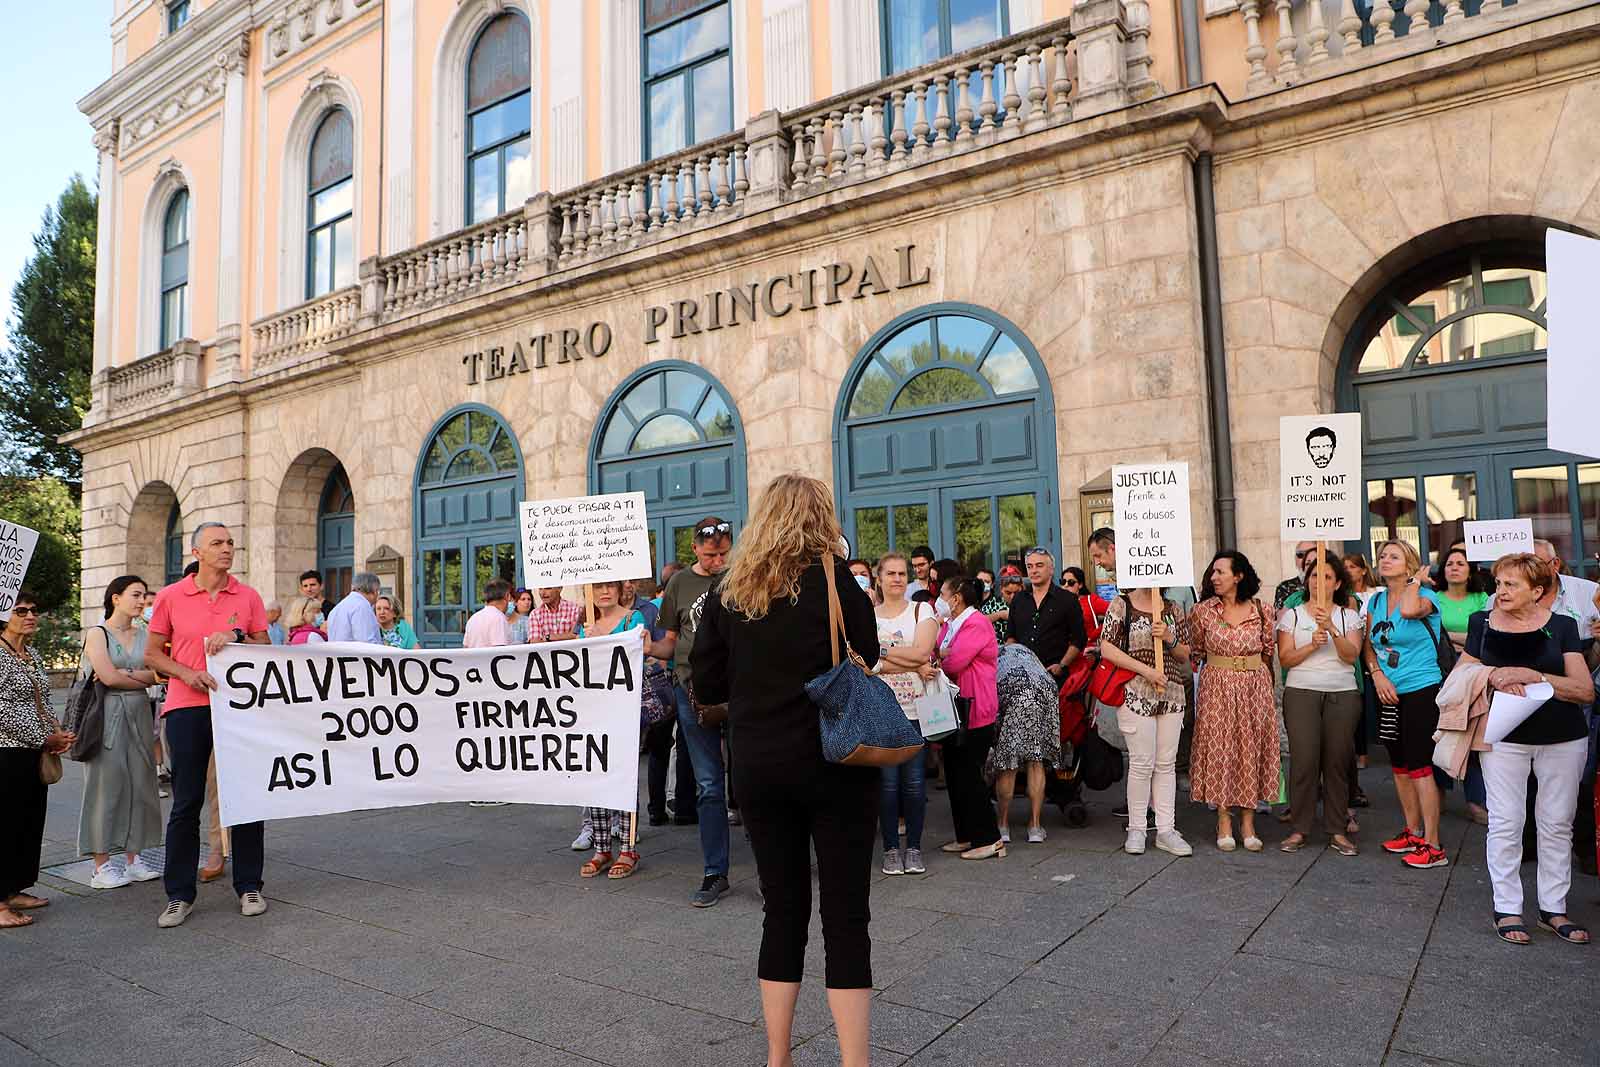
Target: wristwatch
{"x": 238, "y": 634}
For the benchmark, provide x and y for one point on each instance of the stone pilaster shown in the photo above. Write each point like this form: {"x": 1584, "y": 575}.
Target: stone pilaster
{"x": 767, "y": 156}
{"x": 1101, "y": 30}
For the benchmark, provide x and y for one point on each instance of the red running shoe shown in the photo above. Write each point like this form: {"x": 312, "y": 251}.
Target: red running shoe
{"x": 1426, "y": 856}
{"x": 1403, "y": 842}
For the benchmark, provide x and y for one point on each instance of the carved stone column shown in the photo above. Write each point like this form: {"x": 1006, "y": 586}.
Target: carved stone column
{"x": 105, "y": 142}
{"x": 230, "y": 277}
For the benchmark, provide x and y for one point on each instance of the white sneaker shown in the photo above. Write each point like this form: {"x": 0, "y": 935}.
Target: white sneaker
{"x": 1005, "y": 835}
{"x": 914, "y": 864}
{"x": 108, "y": 876}
{"x": 252, "y": 904}
{"x": 138, "y": 872}
{"x": 1173, "y": 842}
{"x": 584, "y": 840}
{"x": 1134, "y": 846}
{"x": 173, "y": 914}
{"x": 1036, "y": 835}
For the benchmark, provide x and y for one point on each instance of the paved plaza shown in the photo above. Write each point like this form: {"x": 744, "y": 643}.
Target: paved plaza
{"x": 459, "y": 936}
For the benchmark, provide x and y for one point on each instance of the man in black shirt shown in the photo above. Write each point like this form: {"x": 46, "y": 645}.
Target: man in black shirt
{"x": 1046, "y": 618}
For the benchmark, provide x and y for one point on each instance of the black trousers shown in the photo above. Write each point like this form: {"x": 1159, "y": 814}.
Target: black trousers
{"x": 970, "y": 805}
{"x": 189, "y": 748}
{"x": 22, "y": 804}
{"x": 835, "y": 809}
{"x": 658, "y": 742}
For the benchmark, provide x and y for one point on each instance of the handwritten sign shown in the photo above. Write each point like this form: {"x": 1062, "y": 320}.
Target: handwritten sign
{"x": 1489, "y": 539}
{"x": 1150, "y": 510}
{"x": 1319, "y": 472}
{"x": 585, "y": 539}
{"x": 316, "y": 729}
{"x": 16, "y": 549}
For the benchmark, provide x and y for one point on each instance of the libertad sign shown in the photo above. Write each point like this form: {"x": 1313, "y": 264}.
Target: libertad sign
{"x": 773, "y": 297}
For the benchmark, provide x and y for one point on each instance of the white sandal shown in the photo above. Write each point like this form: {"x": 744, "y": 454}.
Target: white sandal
{"x": 1226, "y": 844}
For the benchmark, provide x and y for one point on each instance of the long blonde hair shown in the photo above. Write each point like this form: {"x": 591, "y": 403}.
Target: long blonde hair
{"x": 300, "y": 611}
{"x": 793, "y": 525}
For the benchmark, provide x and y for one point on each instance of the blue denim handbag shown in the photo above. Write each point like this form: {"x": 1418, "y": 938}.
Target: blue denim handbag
{"x": 862, "y": 723}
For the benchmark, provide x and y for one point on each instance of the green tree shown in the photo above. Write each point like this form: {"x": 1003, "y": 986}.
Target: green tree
{"x": 47, "y": 505}
{"x": 45, "y": 371}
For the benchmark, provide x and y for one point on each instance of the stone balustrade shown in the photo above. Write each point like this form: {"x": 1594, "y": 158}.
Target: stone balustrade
{"x": 165, "y": 376}
{"x": 306, "y": 328}
{"x": 463, "y": 263}
{"x": 1288, "y": 42}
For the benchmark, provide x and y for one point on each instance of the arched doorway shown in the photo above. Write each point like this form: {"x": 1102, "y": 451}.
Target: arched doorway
{"x": 671, "y": 432}
{"x": 336, "y": 535}
{"x": 1447, "y": 367}
{"x": 156, "y": 550}
{"x": 174, "y": 554}
{"x": 468, "y": 487}
{"x": 945, "y": 436}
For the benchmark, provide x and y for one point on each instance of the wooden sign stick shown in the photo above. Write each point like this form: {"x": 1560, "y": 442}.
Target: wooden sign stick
{"x": 1323, "y": 598}
{"x": 1155, "y": 616}
{"x": 588, "y": 610}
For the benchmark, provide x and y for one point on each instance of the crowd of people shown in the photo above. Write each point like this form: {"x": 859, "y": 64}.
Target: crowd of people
{"x": 1343, "y": 651}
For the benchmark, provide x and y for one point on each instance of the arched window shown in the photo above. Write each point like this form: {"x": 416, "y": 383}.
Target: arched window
{"x": 499, "y": 119}
{"x": 947, "y": 439}
{"x": 336, "y": 529}
{"x": 174, "y": 546}
{"x": 1446, "y": 367}
{"x": 671, "y": 432}
{"x": 468, "y": 486}
{"x": 175, "y": 270}
{"x": 330, "y": 206}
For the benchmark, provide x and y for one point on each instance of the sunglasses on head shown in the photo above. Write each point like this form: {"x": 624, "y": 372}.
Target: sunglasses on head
{"x": 714, "y": 529}
{"x": 27, "y": 611}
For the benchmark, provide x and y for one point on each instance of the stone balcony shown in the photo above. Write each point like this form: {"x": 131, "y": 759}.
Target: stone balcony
{"x": 1291, "y": 42}
{"x": 166, "y": 376}
{"x": 290, "y": 336}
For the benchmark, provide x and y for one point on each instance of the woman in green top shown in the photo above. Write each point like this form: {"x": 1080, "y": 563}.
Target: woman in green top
{"x": 396, "y": 632}
{"x": 1462, "y": 593}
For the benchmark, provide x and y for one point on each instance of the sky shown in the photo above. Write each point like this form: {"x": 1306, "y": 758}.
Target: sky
{"x": 53, "y": 56}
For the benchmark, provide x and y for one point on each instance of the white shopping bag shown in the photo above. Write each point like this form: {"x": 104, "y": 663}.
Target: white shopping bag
{"x": 936, "y": 708}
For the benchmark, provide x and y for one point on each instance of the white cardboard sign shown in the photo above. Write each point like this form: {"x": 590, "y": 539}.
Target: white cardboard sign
{"x": 16, "y": 549}
{"x": 1319, "y": 474}
{"x": 316, "y": 729}
{"x": 1573, "y": 362}
{"x": 1150, "y": 512}
{"x": 1489, "y": 539}
{"x": 585, "y": 539}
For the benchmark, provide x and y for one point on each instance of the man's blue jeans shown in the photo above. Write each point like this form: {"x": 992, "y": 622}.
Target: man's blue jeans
{"x": 189, "y": 748}
{"x": 705, "y": 753}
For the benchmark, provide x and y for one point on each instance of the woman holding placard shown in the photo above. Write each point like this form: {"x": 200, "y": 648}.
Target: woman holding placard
{"x": 1402, "y": 656}
{"x": 906, "y": 634}
{"x": 1319, "y": 642}
{"x": 1234, "y": 761}
{"x": 764, "y": 632}
{"x": 610, "y": 617}
{"x": 1528, "y": 645}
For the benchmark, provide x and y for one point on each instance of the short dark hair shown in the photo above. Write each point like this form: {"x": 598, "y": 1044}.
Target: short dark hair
{"x": 1322, "y": 431}
{"x": 1343, "y": 587}
{"x": 310, "y": 574}
{"x": 970, "y": 589}
{"x": 1105, "y": 535}
{"x": 496, "y": 589}
{"x": 119, "y": 586}
{"x": 26, "y": 596}
{"x": 946, "y": 569}
{"x": 1077, "y": 572}
{"x": 192, "y": 569}
{"x": 922, "y": 551}
{"x": 712, "y": 520}
{"x": 854, "y": 562}
{"x": 1478, "y": 580}
{"x": 1239, "y": 563}
{"x": 922, "y": 596}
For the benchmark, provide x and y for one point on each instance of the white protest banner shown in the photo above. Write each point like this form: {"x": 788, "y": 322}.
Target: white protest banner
{"x": 1573, "y": 353}
{"x": 16, "y": 549}
{"x": 314, "y": 729}
{"x": 1319, "y": 473}
{"x": 585, "y": 539}
{"x": 1150, "y": 512}
{"x": 1489, "y": 539}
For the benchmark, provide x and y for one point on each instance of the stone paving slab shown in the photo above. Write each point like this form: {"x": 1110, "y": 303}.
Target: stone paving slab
{"x": 448, "y": 935}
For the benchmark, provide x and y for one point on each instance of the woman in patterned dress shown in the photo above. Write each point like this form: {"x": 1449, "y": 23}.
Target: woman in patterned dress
{"x": 1029, "y": 734}
{"x": 1235, "y": 759}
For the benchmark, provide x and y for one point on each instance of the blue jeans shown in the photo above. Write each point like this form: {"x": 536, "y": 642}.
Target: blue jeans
{"x": 903, "y": 793}
{"x": 705, "y": 753}
{"x": 189, "y": 749}
{"x": 1477, "y": 793}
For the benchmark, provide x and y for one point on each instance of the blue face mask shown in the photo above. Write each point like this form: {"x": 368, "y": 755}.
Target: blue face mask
{"x": 864, "y": 582}
{"x": 149, "y": 612}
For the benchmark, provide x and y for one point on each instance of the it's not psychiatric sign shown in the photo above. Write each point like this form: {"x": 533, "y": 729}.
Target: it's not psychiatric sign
{"x": 16, "y": 549}
{"x": 1150, "y": 512}
{"x": 1319, "y": 465}
{"x": 585, "y": 539}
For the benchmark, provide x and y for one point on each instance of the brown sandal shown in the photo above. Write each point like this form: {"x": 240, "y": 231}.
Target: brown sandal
{"x": 9, "y": 918}
{"x": 26, "y": 902}
{"x": 627, "y": 863}
{"x": 595, "y": 864}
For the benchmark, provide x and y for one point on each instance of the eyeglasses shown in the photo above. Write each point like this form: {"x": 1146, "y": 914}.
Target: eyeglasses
{"x": 714, "y": 530}
{"x": 1302, "y": 553}
{"x": 26, "y": 612}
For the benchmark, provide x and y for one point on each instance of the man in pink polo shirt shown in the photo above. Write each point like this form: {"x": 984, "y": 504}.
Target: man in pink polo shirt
{"x": 200, "y": 615}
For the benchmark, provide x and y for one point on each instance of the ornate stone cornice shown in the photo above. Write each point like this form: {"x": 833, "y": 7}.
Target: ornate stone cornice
{"x": 106, "y": 138}
{"x": 191, "y": 96}
{"x": 294, "y": 25}
{"x": 235, "y": 54}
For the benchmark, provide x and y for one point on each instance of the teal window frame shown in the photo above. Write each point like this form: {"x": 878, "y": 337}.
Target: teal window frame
{"x": 685, "y": 68}
{"x": 499, "y": 147}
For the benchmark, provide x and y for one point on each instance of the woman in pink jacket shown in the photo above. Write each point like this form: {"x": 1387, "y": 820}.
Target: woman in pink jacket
{"x": 967, "y": 652}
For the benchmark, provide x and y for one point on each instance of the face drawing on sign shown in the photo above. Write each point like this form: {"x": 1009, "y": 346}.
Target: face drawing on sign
{"x": 1321, "y": 443}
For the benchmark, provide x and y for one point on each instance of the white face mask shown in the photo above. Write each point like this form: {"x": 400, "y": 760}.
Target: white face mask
{"x": 149, "y": 612}
{"x": 941, "y": 608}
{"x": 864, "y": 582}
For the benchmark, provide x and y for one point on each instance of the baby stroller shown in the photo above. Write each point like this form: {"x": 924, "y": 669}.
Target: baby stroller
{"x": 1063, "y": 787}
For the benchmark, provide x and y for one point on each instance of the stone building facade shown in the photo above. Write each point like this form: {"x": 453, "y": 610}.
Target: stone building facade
{"x": 959, "y": 291}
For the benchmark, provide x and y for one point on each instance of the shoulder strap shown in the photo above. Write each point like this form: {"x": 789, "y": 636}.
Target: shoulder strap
{"x": 835, "y": 614}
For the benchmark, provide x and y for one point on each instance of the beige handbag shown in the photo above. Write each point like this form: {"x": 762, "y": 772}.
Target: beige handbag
{"x": 50, "y": 769}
